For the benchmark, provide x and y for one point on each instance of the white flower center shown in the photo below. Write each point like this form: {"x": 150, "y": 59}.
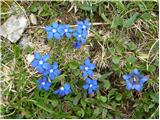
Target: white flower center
{"x": 53, "y": 30}
{"x": 90, "y": 85}
{"x": 40, "y": 62}
{"x": 51, "y": 70}
{"x": 62, "y": 88}
{"x": 86, "y": 68}
{"x": 84, "y": 27}
{"x": 79, "y": 35}
{"x": 65, "y": 30}
{"x": 43, "y": 83}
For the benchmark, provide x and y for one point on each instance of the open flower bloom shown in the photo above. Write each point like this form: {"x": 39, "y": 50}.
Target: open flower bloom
{"x": 65, "y": 30}
{"x": 52, "y": 71}
{"x": 134, "y": 80}
{"x": 40, "y": 62}
{"x": 87, "y": 68}
{"x": 53, "y": 31}
{"x": 80, "y": 35}
{"x": 83, "y": 25}
{"x": 64, "y": 90}
{"x": 43, "y": 84}
{"x": 91, "y": 86}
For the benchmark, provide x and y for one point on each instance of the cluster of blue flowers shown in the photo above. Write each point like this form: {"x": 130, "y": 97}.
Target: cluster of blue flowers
{"x": 48, "y": 71}
{"x": 87, "y": 70}
{"x": 57, "y": 31}
{"x": 134, "y": 80}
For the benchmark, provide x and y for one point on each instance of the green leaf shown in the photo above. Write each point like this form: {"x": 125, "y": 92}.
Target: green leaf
{"x": 59, "y": 78}
{"x": 76, "y": 99}
{"x": 146, "y": 16}
{"x": 151, "y": 68}
{"x": 73, "y": 64}
{"x": 105, "y": 18}
{"x": 96, "y": 112}
{"x": 83, "y": 103}
{"x": 104, "y": 113}
{"x": 116, "y": 59}
{"x": 130, "y": 21}
{"x": 103, "y": 99}
{"x": 132, "y": 46}
{"x": 117, "y": 21}
{"x": 33, "y": 7}
{"x": 118, "y": 97}
{"x": 106, "y": 84}
{"x": 131, "y": 59}
{"x": 104, "y": 76}
{"x": 87, "y": 7}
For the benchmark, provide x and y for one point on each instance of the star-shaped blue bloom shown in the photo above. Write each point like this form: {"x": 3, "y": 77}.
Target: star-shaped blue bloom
{"x": 134, "y": 80}
{"x": 91, "y": 86}
{"x": 64, "y": 90}
{"x": 43, "y": 84}
{"x": 83, "y": 25}
{"x": 80, "y": 35}
{"x": 65, "y": 30}
{"x": 87, "y": 68}
{"x": 53, "y": 31}
{"x": 77, "y": 45}
{"x": 52, "y": 71}
{"x": 40, "y": 62}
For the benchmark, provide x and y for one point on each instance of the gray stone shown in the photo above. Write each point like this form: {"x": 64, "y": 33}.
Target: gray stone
{"x": 13, "y": 28}
{"x": 33, "y": 19}
{"x": 25, "y": 41}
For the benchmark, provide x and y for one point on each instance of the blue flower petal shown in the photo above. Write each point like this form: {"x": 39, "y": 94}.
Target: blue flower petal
{"x": 94, "y": 82}
{"x": 87, "y": 62}
{"x": 143, "y": 79}
{"x": 92, "y": 66}
{"x": 90, "y": 73}
{"x": 67, "y": 86}
{"x": 68, "y": 35}
{"x": 126, "y": 77}
{"x": 34, "y": 63}
{"x": 56, "y": 91}
{"x": 46, "y": 66}
{"x": 57, "y": 36}
{"x": 50, "y": 35}
{"x": 83, "y": 40}
{"x": 46, "y": 57}
{"x": 47, "y": 86}
{"x": 40, "y": 86}
{"x": 48, "y": 28}
{"x": 84, "y": 74}
{"x": 88, "y": 80}
{"x": 57, "y": 72}
{"x": 40, "y": 69}
{"x": 55, "y": 65}
{"x": 45, "y": 73}
{"x": 51, "y": 76}
{"x": 136, "y": 71}
{"x": 55, "y": 25}
{"x": 137, "y": 87}
{"x": 128, "y": 85}
{"x": 86, "y": 86}
{"x": 82, "y": 67}
{"x": 94, "y": 87}
{"x": 90, "y": 91}
{"x": 37, "y": 56}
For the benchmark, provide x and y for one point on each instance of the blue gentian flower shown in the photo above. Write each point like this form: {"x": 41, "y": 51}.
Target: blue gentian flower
{"x": 43, "y": 84}
{"x": 64, "y": 90}
{"x": 87, "y": 68}
{"x": 83, "y": 25}
{"x": 40, "y": 63}
{"x": 53, "y": 31}
{"x": 52, "y": 71}
{"x": 134, "y": 80}
{"x": 80, "y": 35}
{"x": 91, "y": 85}
{"x": 76, "y": 45}
{"x": 65, "y": 30}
